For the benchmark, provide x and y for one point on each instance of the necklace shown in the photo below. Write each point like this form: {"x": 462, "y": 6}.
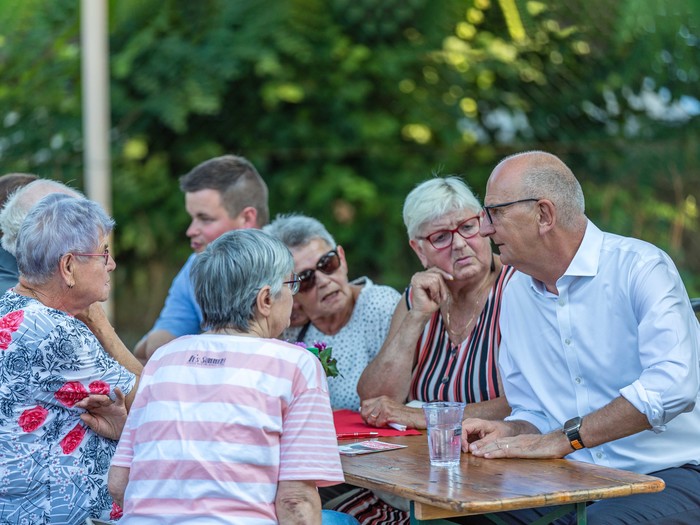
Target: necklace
{"x": 457, "y": 337}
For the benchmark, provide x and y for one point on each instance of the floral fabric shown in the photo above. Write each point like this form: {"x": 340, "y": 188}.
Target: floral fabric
{"x": 358, "y": 342}
{"x": 53, "y": 468}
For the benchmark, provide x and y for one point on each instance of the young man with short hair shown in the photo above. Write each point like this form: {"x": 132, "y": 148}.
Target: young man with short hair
{"x": 221, "y": 194}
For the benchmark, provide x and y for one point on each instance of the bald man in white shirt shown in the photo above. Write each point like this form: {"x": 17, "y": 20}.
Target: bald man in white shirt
{"x": 599, "y": 350}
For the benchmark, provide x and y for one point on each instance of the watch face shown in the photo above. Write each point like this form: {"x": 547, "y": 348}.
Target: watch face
{"x": 572, "y": 424}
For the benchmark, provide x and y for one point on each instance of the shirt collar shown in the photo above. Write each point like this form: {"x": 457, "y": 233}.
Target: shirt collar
{"x": 585, "y": 261}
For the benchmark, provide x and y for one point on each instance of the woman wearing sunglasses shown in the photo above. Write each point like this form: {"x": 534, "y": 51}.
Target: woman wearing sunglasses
{"x": 444, "y": 335}
{"x": 351, "y": 317}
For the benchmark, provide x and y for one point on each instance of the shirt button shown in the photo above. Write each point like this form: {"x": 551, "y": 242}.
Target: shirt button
{"x": 567, "y": 341}
{"x": 578, "y": 380}
{"x": 561, "y": 301}
{"x": 445, "y": 380}
{"x": 599, "y": 455}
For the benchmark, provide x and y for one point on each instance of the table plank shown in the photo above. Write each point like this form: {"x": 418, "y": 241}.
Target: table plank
{"x": 481, "y": 486}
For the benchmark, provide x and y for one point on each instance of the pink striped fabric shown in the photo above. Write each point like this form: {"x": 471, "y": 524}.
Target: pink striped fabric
{"x": 218, "y": 420}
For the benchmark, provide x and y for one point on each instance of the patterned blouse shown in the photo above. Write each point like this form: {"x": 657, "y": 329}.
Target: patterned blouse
{"x": 358, "y": 342}
{"x": 468, "y": 372}
{"x": 53, "y": 468}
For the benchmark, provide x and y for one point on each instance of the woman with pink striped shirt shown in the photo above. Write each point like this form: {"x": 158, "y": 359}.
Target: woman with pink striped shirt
{"x": 232, "y": 425}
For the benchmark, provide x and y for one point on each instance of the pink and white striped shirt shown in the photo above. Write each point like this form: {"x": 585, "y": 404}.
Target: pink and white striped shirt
{"x": 217, "y": 422}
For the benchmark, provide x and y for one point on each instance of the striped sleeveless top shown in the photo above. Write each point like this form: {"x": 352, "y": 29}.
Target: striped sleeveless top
{"x": 468, "y": 372}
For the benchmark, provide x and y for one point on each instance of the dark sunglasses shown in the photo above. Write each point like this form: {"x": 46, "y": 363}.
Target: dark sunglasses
{"x": 327, "y": 264}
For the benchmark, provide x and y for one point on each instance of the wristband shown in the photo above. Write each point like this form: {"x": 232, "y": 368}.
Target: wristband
{"x": 571, "y": 430}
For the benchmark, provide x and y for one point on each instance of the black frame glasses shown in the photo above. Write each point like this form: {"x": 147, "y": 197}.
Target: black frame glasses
{"x": 294, "y": 284}
{"x": 328, "y": 263}
{"x": 445, "y": 242}
{"x": 104, "y": 254}
{"x": 490, "y": 207}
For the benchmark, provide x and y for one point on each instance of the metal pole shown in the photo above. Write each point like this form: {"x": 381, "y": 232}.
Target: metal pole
{"x": 96, "y": 107}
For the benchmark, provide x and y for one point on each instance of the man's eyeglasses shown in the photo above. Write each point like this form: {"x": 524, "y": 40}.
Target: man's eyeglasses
{"x": 442, "y": 239}
{"x": 327, "y": 264}
{"x": 488, "y": 209}
{"x": 104, "y": 254}
{"x": 294, "y": 284}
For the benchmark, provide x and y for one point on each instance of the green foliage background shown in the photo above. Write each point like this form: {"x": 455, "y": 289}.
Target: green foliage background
{"x": 345, "y": 105}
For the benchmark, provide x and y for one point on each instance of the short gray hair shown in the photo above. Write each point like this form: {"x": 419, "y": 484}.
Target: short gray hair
{"x": 21, "y": 201}
{"x": 230, "y": 272}
{"x": 546, "y": 176}
{"x": 58, "y": 224}
{"x": 434, "y": 198}
{"x": 296, "y": 230}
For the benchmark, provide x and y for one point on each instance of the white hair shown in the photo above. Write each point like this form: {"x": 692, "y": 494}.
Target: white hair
{"x": 21, "y": 202}
{"x": 434, "y": 198}
{"x": 296, "y": 230}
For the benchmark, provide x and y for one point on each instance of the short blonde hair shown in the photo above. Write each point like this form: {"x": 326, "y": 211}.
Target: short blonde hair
{"x": 434, "y": 198}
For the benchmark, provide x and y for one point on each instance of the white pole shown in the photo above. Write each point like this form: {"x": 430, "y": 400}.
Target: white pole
{"x": 96, "y": 106}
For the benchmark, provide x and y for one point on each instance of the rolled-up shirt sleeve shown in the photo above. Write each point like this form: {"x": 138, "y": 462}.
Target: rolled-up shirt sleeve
{"x": 668, "y": 345}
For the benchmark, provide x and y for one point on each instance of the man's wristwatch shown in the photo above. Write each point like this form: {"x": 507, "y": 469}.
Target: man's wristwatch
{"x": 571, "y": 429}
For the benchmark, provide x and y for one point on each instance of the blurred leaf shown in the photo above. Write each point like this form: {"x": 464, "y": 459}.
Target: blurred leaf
{"x": 345, "y": 106}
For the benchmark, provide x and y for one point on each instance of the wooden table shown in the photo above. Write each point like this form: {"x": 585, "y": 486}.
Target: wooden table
{"x": 485, "y": 486}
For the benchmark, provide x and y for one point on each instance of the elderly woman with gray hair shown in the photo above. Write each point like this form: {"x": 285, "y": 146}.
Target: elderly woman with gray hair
{"x": 231, "y": 425}
{"x": 54, "y": 456}
{"x": 444, "y": 336}
{"x": 351, "y": 317}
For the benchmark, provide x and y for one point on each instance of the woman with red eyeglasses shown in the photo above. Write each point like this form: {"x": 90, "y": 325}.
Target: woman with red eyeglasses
{"x": 352, "y": 318}
{"x": 444, "y": 336}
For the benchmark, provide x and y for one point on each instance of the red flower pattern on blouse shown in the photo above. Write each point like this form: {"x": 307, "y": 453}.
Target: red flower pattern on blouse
{"x": 116, "y": 513}
{"x": 32, "y": 418}
{"x": 70, "y": 393}
{"x": 5, "y": 339}
{"x": 9, "y": 324}
{"x": 12, "y": 321}
{"x": 73, "y": 439}
{"x": 99, "y": 387}
{"x": 48, "y": 422}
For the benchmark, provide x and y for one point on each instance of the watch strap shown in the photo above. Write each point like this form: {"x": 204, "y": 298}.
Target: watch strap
{"x": 571, "y": 429}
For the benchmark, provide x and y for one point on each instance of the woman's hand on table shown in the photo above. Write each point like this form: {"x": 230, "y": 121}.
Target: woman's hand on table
{"x": 382, "y": 410}
{"x": 104, "y": 416}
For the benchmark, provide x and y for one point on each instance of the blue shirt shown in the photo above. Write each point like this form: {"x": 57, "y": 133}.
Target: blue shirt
{"x": 181, "y": 314}
{"x": 9, "y": 274}
{"x": 622, "y": 325}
